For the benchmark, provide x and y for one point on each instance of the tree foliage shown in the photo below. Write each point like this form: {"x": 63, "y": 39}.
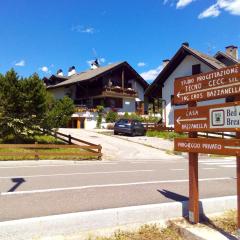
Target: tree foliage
{"x": 25, "y": 106}
{"x": 59, "y": 112}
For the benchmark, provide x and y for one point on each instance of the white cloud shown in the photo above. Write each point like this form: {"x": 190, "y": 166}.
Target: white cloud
{"x": 21, "y": 63}
{"x": 231, "y": 6}
{"x": 83, "y": 29}
{"x": 141, "y": 64}
{"x": 152, "y": 73}
{"x": 44, "y": 69}
{"x": 212, "y": 11}
{"x": 183, "y": 3}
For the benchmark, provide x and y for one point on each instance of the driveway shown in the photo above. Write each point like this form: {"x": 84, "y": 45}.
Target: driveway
{"x": 120, "y": 148}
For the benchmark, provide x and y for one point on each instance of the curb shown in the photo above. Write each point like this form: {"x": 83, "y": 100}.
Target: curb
{"x": 76, "y": 223}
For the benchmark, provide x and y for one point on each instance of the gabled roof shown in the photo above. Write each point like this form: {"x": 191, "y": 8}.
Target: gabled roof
{"x": 220, "y": 54}
{"x": 96, "y": 73}
{"x": 184, "y": 50}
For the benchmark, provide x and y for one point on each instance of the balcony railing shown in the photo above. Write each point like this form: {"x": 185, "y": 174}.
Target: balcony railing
{"x": 116, "y": 90}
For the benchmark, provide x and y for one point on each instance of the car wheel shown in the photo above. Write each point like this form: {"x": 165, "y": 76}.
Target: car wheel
{"x": 115, "y": 133}
{"x": 133, "y": 134}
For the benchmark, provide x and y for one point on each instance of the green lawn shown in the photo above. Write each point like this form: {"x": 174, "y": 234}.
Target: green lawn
{"x": 81, "y": 154}
{"x": 29, "y": 153}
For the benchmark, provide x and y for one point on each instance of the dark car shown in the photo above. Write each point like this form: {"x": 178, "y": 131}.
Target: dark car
{"x": 130, "y": 127}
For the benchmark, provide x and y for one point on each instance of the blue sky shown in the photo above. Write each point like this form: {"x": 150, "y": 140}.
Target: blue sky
{"x": 43, "y": 36}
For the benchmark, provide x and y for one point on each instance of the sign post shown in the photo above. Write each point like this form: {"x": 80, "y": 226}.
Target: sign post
{"x": 225, "y": 117}
{"x": 193, "y": 181}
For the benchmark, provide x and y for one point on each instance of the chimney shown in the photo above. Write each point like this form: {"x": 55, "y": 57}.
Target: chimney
{"x": 186, "y": 44}
{"x": 165, "y": 62}
{"x": 71, "y": 71}
{"x": 60, "y": 72}
{"x": 232, "y": 51}
{"x": 95, "y": 64}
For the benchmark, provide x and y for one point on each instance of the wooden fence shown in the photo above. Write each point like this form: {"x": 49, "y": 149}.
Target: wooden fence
{"x": 86, "y": 149}
{"x": 157, "y": 127}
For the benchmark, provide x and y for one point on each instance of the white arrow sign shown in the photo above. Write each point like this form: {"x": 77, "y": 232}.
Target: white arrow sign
{"x": 179, "y": 120}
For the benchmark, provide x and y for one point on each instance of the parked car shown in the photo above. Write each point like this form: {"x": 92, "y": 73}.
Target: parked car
{"x": 130, "y": 127}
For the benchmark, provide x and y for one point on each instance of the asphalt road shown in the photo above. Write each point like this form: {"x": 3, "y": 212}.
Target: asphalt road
{"x": 32, "y": 189}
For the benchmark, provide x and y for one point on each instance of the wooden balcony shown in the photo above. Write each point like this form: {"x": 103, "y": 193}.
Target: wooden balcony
{"x": 116, "y": 91}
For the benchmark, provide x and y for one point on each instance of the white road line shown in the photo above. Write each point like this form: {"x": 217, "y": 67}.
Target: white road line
{"x": 177, "y": 169}
{"x": 208, "y": 168}
{"x": 70, "y": 174}
{"x": 218, "y": 163}
{"x": 218, "y": 160}
{"x": 60, "y": 165}
{"x": 108, "y": 185}
{"x": 228, "y": 166}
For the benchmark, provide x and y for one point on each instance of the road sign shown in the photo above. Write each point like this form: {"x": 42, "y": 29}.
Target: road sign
{"x": 230, "y": 147}
{"x": 211, "y": 85}
{"x": 212, "y": 118}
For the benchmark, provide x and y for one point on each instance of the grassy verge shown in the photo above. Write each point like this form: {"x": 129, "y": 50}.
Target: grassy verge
{"x": 146, "y": 232}
{"x": 226, "y": 222}
{"x": 81, "y": 154}
{"x": 165, "y": 135}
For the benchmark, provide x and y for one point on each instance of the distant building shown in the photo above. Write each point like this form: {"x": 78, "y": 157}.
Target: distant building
{"x": 117, "y": 87}
{"x": 187, "y": 61}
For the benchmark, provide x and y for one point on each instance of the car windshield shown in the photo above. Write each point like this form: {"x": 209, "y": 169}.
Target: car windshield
{"x": 123, "y": 121}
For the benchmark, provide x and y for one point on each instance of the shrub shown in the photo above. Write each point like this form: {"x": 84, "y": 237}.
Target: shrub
{"x": 100, "y": 109}
{"x": 111, "y": 117}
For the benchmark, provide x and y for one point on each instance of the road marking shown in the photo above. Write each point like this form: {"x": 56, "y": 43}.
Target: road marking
{"x": 61, "y": 165}
{"x": 178, "y": 169}
{"x": 228, "y": 166}
{"x": 208, "y": 168}
{"x": 218, "y": 160}
{"x": 218, "y": 163}
{"x": 69, "y": 174}
{"x": 108, "y": 185}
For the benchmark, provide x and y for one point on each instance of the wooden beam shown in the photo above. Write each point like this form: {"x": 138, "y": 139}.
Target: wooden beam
{"x": 237, "y": 98}
{"x": 193, "y": 181}
{"x": 123, "y": 78}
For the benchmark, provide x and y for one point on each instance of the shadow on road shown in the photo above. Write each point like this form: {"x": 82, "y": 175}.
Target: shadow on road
{"x": 18, "y": 182}
{"x": 203, "y": 218}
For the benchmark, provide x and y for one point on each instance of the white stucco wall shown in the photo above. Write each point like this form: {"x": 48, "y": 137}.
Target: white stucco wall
{"x": 183, "y": 69}
{"x": 128, "y": 105}
{"x": 58, "y": 93}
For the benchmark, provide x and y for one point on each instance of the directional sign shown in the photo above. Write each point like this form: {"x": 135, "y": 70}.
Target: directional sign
{"x": 212, "y": 118}
{"x": 211, "y": 85}
{"x": 229, "y": 147}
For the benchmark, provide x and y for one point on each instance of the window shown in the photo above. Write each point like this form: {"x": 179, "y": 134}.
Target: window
{"x": 196, "y": 69}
